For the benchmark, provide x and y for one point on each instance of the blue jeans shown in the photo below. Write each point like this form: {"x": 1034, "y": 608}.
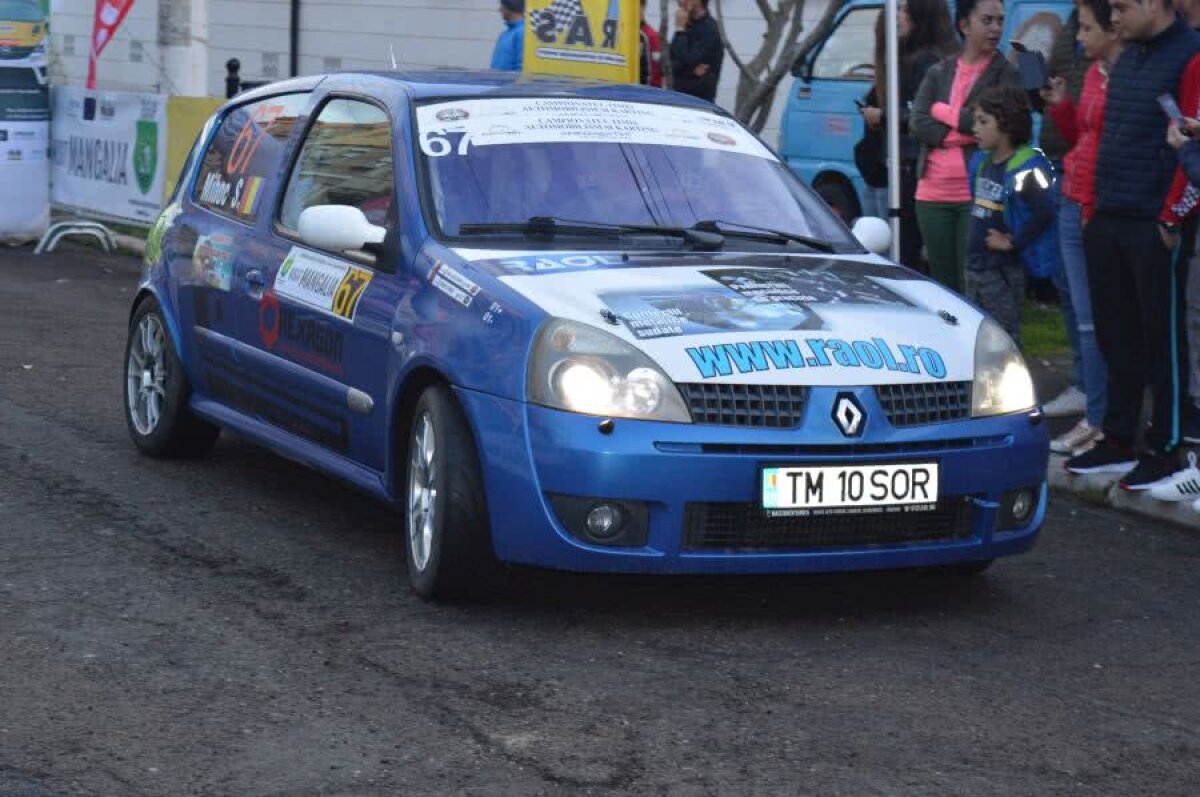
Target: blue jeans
{"x": 1091, "y": 373}
{"x": 875, "y": 202}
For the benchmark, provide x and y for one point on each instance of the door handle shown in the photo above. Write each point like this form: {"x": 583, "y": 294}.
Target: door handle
{"x": 255, "y": 282}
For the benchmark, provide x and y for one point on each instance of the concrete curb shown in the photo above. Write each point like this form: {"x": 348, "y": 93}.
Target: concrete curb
{"x": 1101, "y": 488}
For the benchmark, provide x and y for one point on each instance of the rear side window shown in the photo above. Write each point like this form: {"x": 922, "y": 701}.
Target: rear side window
{"x": 245, "y": 154}
{"x": 346, "y": 160}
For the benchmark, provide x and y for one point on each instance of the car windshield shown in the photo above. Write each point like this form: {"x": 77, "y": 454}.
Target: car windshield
{"x": 493, "y": 164}
{"x": 20, "y": 11}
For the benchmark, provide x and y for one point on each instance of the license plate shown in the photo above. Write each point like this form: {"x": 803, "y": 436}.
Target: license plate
{"x": 841, "y": 489}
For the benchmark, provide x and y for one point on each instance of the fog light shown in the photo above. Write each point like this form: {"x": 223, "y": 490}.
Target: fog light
{"x": 603, "y": 521}
{"x": 1022, "y": 506}
{"x": 1017, "y": 508}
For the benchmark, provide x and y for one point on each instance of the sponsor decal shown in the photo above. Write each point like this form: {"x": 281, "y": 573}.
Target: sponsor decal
{"x": 239, "y": 197}
{"x": 212, "y": 261}
{"x": 3, "y": 136}
{"x": 805, "y": 287}
{"x": 725, "y": 359}
{"x": 492, "y": 314}
{"x": 14, "y": 154}
{"x": 306, "y": 339}
{"x": 452, "y": 115}
{"x": 322, "y": 283}
{"x": 539, "y": 264}
{"x": 453, "y": 283}
{"x": 722, "y": 139}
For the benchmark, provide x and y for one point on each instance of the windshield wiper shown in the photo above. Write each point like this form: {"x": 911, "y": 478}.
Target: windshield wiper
{"x": 550, "y": 226}
{"x": 761, "y": 233}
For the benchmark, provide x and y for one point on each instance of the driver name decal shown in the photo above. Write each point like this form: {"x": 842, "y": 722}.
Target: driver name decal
{"x": 724, "y": 359}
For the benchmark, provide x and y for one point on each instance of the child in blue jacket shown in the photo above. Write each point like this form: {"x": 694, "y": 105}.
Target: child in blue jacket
{"x": 1013, "y": 208}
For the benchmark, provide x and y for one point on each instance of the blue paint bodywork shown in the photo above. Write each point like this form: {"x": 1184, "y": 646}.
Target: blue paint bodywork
{"x": 406, "y": 334}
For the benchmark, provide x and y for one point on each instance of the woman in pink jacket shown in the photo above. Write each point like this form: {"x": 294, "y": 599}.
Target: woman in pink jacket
{"x": 1081, "y": 125}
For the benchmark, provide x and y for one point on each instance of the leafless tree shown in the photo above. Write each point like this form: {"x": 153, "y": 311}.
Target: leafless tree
{"x": 782, "y": 46}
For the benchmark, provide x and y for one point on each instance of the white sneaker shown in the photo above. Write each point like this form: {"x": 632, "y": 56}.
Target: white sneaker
{"x": 1184, "y": 485}
{"x": 1081, "y": 437}
{"x": 1071, "y": 401}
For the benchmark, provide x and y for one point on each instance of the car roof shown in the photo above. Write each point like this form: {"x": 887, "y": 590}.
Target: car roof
{"x": 464, "y": 83}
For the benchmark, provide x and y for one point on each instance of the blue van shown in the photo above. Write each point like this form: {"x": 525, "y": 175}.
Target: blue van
{"x": 821, "y": 123}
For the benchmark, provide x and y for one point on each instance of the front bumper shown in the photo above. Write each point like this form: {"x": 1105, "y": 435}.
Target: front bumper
{"x": 529, "y": 453}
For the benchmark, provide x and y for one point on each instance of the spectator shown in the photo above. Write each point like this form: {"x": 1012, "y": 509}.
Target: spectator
{"x": 942, "y": 121}
{"x": 696, "y": 51}
{"x": 1131, "y": 240}
{"x": 926, "y": 37}
{"x": 1069, "y": 62}
{"x": 509, "y": 53}
{"x": 650, "y": 73}
{"x": 1080, "y": 126}
{"x": 1012, "y": 215}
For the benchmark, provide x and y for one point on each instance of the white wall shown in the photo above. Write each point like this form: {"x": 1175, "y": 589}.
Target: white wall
{"x": 336, "y": 34}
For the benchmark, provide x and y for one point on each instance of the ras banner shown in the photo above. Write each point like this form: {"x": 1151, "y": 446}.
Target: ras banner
{"x": 24, "y": 142}
{"x": 583, "y": 38}
{"x": 109, "y": 150}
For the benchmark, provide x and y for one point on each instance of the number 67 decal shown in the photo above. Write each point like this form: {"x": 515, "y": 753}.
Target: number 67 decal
{"x": 436, "y": 144}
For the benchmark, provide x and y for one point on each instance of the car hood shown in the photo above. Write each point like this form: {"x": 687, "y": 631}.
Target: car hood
{"x": 758, "y": 319}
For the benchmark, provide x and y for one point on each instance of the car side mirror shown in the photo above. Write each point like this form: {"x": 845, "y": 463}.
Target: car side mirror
{"x": 874, "y": 234}
{"x": 803, "y": 70}
{"x": 339, "y": 228}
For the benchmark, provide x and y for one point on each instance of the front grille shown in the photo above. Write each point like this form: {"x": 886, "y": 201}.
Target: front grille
{"x": 929, "y": 402}
{"x": 746, "y": 526}
{"x": 761, "y": 406}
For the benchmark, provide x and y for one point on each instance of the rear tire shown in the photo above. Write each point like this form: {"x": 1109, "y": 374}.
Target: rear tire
{"x": 839, "y": 196}
{"x": 449, "y": 548}
{"x": 157, "y": 391}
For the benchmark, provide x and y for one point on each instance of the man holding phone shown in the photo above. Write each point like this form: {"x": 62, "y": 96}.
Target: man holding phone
{"x": 1131, "y": 242}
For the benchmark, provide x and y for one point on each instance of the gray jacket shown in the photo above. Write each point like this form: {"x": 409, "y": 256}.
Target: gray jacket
{"x": 936, "y": 88}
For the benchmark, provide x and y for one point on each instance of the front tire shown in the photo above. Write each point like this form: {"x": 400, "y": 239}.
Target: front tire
{"x": 449, "y": 548}
{"x": 157, "y": 391}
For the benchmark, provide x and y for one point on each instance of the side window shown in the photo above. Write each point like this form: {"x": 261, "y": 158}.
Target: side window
{"x": 346, "y": 160}
{"x": 849, "y": 52}
{"x": 245, "y": 155}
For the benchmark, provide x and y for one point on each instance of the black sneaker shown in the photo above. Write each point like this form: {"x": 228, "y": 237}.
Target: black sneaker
{"x": 1151, "y": 469}
{"x": 1106, "y": 457}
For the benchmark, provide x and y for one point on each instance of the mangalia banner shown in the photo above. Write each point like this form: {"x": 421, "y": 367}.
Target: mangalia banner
{"x": 109, "y": 153}
{"x": 583, "y": 38}
{"x": 109, "y": 14}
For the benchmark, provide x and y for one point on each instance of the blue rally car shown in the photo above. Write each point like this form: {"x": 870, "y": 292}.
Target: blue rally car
{"x": 576, "y": 326}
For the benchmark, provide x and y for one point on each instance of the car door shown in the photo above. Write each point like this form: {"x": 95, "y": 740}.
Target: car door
{"x": 314, "y": 326}
{"x": 218, "y": 237}
{"x": 822, "y": 123}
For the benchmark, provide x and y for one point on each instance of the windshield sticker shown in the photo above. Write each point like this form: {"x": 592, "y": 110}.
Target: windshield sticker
{"x": 212, "y": 261}
{"x": 453, "y": 283}
{"x": 322, "y": 282}
{"x": 765, "y": 355}
{"x": 452, "y": 129}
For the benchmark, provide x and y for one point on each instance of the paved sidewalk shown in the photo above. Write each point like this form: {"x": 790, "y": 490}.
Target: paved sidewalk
{"x": 1051, "y": 375}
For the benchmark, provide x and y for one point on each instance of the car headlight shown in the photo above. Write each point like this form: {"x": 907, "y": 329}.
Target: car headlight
{"x": 1002, "y": 382}
{"x": 579, "y": 368}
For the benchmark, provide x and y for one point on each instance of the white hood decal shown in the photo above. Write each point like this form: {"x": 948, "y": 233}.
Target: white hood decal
{"x": 814, "y": 321}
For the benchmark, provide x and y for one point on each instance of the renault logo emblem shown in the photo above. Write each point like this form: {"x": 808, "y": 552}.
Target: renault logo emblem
{"x": 848, "y": 414}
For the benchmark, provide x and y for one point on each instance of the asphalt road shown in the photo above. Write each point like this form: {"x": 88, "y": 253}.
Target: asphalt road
{"x": 240, "y": 625}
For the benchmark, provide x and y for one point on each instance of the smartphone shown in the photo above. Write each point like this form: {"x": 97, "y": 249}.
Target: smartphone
{"x": 1171, "y": 109}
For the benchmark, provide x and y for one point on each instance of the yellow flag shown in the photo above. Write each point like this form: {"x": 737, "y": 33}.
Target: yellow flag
{"x": 583, "y": 38}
